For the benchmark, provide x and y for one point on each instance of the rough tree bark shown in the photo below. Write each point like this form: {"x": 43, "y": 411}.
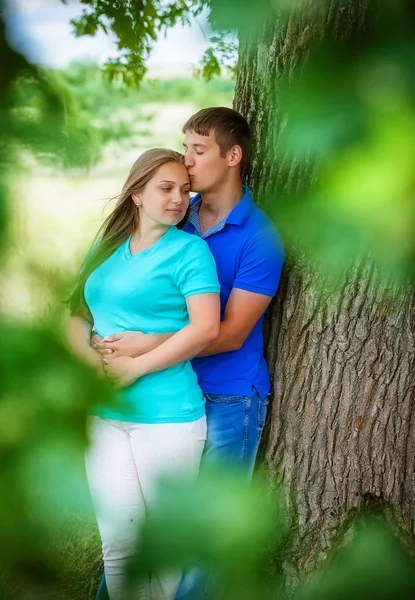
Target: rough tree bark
{"x": 341, "y": 426}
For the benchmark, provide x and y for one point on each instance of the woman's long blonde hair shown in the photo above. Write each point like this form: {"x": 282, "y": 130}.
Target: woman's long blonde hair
{"x": 121, "y": 223}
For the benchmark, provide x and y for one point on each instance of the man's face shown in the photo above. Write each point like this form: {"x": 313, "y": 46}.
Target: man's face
{"x": 207, "y": 168}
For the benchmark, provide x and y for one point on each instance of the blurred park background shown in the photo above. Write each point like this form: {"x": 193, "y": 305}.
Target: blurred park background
{"x": 60, "y": 193}
{"x": 58, "y": 206}
{"x": 70, "y": 138}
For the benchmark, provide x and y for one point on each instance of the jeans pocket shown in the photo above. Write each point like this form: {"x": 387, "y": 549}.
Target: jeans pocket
{"x": 225, "y": 399}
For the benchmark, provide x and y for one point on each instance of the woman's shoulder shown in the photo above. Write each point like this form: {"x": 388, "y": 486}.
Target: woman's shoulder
{"x": 189, "y": 240}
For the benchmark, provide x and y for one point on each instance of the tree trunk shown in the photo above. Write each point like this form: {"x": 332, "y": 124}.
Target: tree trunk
{"x": 341, "y": 426}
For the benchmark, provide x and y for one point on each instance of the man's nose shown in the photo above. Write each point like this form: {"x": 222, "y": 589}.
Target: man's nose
{"x": 188, "y": 159}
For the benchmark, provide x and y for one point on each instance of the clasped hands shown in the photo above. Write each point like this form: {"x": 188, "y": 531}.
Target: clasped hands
{"x": 120, "y": 353}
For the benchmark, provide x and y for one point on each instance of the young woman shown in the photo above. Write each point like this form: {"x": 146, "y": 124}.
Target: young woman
{"x": 145, "y": 274}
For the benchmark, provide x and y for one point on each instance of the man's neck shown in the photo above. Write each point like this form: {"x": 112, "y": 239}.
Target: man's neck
{"x": 219, "y": 204}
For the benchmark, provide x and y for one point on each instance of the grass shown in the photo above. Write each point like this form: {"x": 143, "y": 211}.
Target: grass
{"x": 83, "y": 568}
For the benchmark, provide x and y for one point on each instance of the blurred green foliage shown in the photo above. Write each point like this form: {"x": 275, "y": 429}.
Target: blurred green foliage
{"x": 73, "y": 130}
{"x": 375, "y": 564}
{"x": 44, "y": 392}
{"x": 351, "y": 112}
{"x": 247, "y": 18}
{"x": 221, "y": 524}
{"x": 68, "y": 117}
{"x": 358, "y": 122}
{"x": 50, "y": 123}
{"x": 226, "y": 528}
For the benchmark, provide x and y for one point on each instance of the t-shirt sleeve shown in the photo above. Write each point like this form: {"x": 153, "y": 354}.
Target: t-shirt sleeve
{"x": 261, "y": 264}
{"x": 196, "y": 273}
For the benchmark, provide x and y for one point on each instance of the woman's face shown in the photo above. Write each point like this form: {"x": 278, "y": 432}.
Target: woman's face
{"x": 165, "y": 198}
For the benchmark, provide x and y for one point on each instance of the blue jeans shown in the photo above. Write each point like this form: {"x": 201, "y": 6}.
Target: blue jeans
{"x": 235, "y": 425}
{"x": 234, "y": 429}
{"x": 102, "y": 593}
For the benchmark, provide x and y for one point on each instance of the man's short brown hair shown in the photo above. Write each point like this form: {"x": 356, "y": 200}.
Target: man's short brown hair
{"x": 227, "y": 125}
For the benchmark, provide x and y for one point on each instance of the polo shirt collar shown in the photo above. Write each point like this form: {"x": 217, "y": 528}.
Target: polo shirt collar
{"x": 193, "y": 216}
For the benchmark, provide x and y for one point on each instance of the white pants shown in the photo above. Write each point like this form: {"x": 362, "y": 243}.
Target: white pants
{"x": 123, "y": 463}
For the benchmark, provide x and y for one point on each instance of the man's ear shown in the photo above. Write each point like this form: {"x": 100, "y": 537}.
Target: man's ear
{"x": 234, "y": 156}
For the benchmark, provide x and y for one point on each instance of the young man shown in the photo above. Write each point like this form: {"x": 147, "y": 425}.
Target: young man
{"x": 249, "y": 255}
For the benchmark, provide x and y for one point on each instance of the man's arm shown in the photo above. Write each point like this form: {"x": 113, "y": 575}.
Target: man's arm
{"x": 255, "y": 284}
{"x": 204, "y": 312}
{"x": 258, "y": 273}
{"x": 243, "y": 310}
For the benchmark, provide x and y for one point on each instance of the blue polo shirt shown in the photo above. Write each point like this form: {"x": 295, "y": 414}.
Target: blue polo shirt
{"x": 249, "y": 255}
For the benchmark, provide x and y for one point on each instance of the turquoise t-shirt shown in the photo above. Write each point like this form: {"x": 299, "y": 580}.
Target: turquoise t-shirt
{"x": 147, "y": 292}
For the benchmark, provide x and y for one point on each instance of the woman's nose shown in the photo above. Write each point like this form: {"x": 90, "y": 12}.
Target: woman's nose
{"x": 177, "y": 197}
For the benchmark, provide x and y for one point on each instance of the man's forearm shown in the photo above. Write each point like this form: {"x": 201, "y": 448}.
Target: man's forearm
{"x": 154, "y": 341}
{"x": 227, "y": 341}
{"x": 181, "y": 346}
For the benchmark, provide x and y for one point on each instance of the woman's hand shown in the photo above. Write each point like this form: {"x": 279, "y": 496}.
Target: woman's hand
{"x": 122, "y": 371}
{"x": 127, "y": 343}
{"x": 97, "y": 364}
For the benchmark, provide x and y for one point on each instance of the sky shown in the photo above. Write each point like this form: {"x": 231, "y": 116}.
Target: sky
{"x": 41, "y": 30}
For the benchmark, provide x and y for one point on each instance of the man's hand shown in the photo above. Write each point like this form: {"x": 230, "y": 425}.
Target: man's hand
{"x": 127, "y": 343}
{"x": 122, "y": 371}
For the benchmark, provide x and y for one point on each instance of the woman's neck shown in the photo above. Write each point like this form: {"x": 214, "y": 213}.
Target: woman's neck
{"x": 146, "y": 235}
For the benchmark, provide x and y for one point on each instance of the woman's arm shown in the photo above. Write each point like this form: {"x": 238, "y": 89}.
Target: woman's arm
{"x": 204, "y": 315}
{"x": 78, "y": 332}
